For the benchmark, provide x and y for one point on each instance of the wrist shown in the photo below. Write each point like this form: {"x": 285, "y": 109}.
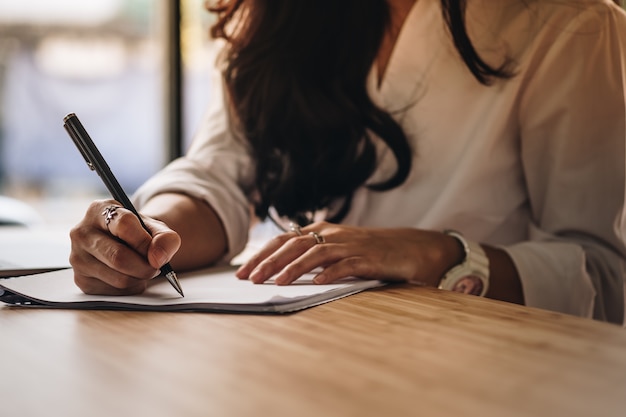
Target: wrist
{"x": 444, "y": 254}
{"x": 454, "y": 253}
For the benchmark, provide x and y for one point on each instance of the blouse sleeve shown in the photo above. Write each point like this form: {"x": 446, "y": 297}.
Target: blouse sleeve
{"x": 217, "y": 168}
{"x": 573, "y": 132}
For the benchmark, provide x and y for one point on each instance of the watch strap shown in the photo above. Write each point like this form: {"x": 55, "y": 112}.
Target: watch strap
{"x": 475, "y": 266}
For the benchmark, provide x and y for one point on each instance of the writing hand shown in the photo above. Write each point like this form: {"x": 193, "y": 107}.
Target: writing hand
{"x": 118, "y": 258}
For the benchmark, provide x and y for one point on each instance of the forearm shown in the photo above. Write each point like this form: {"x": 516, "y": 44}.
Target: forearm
{"x": 203, "y": 238}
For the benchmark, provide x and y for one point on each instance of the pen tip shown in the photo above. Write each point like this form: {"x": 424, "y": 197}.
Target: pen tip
{"x": 173, "y": 279}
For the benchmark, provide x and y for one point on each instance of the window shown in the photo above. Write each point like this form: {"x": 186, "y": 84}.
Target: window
{"x": 104, "y": 60}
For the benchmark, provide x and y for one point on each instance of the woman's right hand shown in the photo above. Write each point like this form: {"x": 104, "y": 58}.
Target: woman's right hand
{"x": 121, "y": 257}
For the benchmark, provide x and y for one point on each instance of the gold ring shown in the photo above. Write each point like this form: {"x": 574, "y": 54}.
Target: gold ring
{"x": 318, "y": 238}
{"x": 295, "y": 228}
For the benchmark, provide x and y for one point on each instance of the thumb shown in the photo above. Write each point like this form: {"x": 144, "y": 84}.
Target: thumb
{"x": 165, "y": 243}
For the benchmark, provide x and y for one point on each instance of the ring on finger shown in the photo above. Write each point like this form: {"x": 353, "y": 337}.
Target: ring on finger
{"x": 318, "y": 238}
{"x": 295, "y": 228}
{"x": 109, "y": 214}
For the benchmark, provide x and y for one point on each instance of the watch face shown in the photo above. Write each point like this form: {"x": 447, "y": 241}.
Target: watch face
{"x": 469, "y": 284}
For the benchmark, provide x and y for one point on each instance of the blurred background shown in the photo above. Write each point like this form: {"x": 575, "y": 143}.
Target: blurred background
{"x": 108, "y": 61}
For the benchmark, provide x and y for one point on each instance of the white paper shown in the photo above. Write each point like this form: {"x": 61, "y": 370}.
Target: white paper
{"x": 212, "y": 289}
{"x": 28, "y": 250}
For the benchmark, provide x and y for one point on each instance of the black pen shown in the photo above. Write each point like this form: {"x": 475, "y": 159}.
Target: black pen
{"x": 96, "y": 162}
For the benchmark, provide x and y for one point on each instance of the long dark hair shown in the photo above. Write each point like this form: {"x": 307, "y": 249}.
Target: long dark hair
{"x": 296, "y": 75}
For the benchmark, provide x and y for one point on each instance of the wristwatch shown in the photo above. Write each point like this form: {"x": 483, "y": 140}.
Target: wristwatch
{"x": 472, "y": 275}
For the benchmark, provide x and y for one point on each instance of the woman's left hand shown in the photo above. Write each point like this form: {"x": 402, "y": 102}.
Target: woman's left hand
{"x": 389, "y": 254}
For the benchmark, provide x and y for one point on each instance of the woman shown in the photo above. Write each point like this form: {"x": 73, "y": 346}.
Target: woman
{"x": 395, "y": 121}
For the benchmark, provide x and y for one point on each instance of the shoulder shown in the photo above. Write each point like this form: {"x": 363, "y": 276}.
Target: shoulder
{"x": 519, "y": 17}
{"x": 527, "y": 30}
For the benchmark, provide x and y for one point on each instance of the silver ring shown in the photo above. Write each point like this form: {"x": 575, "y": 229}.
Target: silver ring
{"x": 109, "y": 214}
{"x": 318, "y": 238}
{"x": 295, "y": 228}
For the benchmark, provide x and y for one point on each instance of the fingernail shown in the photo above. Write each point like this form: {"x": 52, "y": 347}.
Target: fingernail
{"x": 240, "y": 273}
{"x": 318, "y": 279}
{"x": 281, "y": 279}
{"x": 256, "y": 276}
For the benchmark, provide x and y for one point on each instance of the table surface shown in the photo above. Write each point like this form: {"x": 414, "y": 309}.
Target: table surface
{"x": 401, "y": 350}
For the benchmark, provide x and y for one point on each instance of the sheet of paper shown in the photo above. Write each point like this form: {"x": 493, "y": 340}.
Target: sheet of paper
{"x": 26, "y": 250}
{"x": 217, "y": 286}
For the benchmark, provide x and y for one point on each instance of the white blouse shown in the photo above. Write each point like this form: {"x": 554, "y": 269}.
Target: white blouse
{"x": 534, "y": 164}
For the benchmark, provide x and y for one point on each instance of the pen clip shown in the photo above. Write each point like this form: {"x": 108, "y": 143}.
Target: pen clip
{"x": 75, "y": 138}
{"x": 94, "y": 159}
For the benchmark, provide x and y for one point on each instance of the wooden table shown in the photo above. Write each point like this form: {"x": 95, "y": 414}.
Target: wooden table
{"x": 396, "y": 351}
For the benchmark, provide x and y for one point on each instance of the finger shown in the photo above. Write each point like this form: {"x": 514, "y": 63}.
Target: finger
{"x": 125, "y": 225}
{"x": 102, "y": 263}
{"x": 164, "y": 244}
{"x": 272, "y": 246}
{"x": 98, "y": 212}
{"x": 88, "y": 269}
{"x": 95, "y": 286}
{"x": 355, "y": 266}
{"x": 90, "y": 245}
{"x": 120, "y": 257}
{"x": 291, "y": 250}
{"x": 158, "y": 244}
{"x": 319, "y": 255}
